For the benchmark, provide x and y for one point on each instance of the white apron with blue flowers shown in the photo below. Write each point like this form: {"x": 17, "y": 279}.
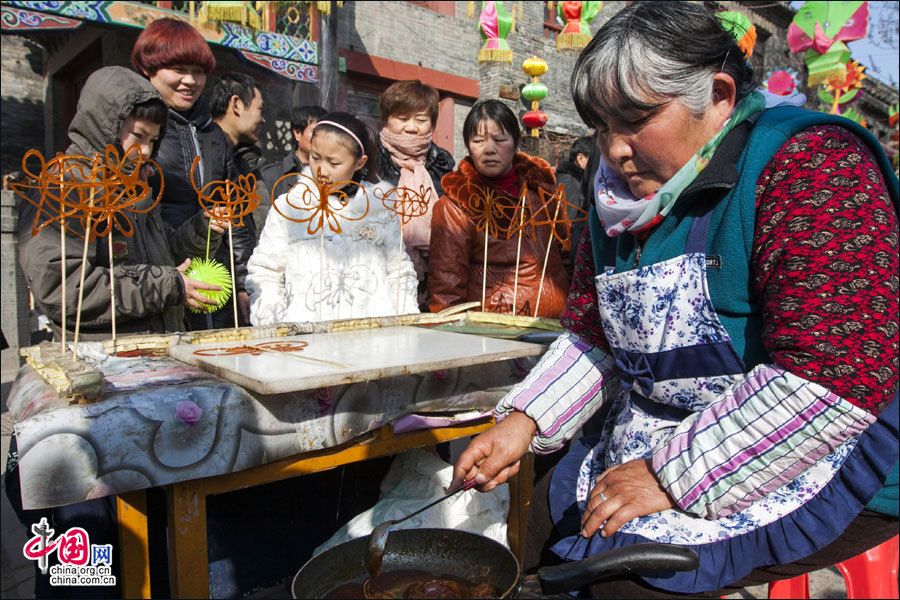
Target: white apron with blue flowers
{"x": 674, "y": 358}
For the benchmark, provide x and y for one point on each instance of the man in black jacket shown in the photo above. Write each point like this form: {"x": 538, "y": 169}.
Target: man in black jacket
{"x": 191, "y": 133}
{"x": 236, "y": 107}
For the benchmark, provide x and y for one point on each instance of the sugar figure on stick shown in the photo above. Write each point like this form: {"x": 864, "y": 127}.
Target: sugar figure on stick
{"x": 51, "y": 208}
{"x": 229, "y": 201}
{"x": 407, "y": 204}
{"x": 149, "y": 258}
{"x": 560, "y": 224}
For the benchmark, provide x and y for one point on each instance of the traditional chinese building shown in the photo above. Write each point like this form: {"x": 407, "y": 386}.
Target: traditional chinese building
{"x": 295, "y": 48}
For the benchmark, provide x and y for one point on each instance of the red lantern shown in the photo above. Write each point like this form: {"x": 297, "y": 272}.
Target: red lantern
{"x": 534, "y": 119}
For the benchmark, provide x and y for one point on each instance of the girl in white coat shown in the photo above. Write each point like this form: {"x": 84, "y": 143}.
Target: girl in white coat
{"x": 361, "y": 271}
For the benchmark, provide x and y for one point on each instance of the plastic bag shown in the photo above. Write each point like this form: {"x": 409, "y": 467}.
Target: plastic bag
{"x": 415, "y": 478}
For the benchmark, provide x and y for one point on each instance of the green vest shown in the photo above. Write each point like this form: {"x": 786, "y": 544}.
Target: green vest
{"x": 730, "y": 242}
{"x": 731, "y": 226}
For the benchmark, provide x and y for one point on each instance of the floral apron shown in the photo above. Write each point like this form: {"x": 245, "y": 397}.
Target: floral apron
{"x": 674, "y": 358}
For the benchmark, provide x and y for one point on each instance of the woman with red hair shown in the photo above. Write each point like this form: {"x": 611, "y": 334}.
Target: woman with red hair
{"x": 176, "y": 60}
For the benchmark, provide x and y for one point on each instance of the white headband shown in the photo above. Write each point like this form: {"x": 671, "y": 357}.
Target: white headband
{"x": 342, "y": 128}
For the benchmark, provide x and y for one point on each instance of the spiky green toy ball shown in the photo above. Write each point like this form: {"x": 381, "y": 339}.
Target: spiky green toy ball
{"x": 215, "y": 273}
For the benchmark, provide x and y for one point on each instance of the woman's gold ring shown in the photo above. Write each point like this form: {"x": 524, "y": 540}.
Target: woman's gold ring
{"x": 602, "y": 497}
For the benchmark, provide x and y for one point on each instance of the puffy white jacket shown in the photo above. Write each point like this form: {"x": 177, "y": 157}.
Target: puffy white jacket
{"x": 364, "y": 271}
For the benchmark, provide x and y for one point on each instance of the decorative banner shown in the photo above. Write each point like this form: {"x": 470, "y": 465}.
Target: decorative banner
{"x": 781, "y": 82}
{"x": 534, "y": 92}
{"x": 288, "y": 68}
{"x": 18, "y": 19}
{"x": 577, "y": 15}
{"x": 495, "y": 25}
{"x": 893, "y": 115}
{"x": 262, "y": 47}
{"x": 324, "y": 8}
{"x": 821, "y": 29}
{"x": 843, "y": 89}
{"x": 855, "y": 116}
{"x": 236, "y": 12}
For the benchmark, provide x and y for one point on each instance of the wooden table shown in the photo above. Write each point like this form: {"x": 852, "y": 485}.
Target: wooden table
{"x": 187, "y": 536}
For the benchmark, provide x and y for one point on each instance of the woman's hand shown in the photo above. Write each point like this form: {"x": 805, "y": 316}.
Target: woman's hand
{"x": 621, "y": 494}
{"x": 192, "y": 295}
{"x": 493, "y": 457}
{"x": 217, "y": 222}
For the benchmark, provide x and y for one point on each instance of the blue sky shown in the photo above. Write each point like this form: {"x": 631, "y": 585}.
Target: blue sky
{"x": 882, "y": 62}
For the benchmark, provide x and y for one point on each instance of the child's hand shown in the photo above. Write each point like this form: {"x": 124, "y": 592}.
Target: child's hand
{"x": 192, "y": 287}
{"x": 217, "y": 222}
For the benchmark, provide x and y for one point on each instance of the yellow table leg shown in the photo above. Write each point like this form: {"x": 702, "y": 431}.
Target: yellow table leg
{"x": 134, "y": 548}
{"x": 521, "y": 487}
{"x": 188, "y": 559}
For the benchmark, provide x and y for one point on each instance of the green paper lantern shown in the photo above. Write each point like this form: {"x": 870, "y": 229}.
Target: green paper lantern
{"x": 534, "y": 92}
{"x": 214, "y": 273}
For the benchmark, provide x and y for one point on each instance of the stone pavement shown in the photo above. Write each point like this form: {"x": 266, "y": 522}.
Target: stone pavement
{"x": 17, "y": 573}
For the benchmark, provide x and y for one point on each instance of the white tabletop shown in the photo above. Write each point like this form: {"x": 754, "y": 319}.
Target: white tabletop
{"x": 351, "y": 356}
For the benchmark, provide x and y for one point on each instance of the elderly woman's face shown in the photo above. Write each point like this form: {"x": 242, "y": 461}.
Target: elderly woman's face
{"x": 413, "y": 123}
{"x": 647, "y": 149}
{"x": 492, "y": 149}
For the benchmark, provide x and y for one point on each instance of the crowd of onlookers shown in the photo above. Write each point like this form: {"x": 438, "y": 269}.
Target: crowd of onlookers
{"x": 285, "y": 270}
{"x": 282, "y": 272}
{"x": 726, "y": 381}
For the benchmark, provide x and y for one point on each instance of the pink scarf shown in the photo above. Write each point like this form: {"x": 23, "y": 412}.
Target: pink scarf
{"x": 408, "y": 152}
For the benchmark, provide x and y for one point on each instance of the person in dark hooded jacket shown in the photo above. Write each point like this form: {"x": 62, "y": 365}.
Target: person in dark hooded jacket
{"x": 120, "y": 108}
{"x": 176, "y": 59}
{"x": 116, "y": 104}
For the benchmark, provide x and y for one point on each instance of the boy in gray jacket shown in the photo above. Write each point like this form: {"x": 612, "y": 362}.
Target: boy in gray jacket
{"x": 119, "y": 107}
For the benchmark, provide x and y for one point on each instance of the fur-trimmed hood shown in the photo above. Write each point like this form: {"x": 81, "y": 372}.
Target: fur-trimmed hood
{"x": 533, "y": 171}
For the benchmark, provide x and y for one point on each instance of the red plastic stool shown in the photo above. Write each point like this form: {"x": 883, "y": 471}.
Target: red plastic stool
{"x": 787, "y": 589}
{"x": 872, "y": 574}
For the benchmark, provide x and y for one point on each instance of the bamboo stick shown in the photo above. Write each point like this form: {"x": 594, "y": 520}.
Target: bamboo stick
{"x": 87, "y": 238}
{"x": 518, "y": 251}
{"x": 537, "y": 304}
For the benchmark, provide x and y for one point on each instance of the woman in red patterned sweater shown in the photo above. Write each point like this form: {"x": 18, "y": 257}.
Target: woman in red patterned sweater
{"x": 734, "y": 309}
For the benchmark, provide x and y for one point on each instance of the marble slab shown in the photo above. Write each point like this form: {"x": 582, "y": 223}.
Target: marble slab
{"x": 351, "y": 356}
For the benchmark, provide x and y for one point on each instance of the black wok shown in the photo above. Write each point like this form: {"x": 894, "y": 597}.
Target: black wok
{"x": 478, "y": 559}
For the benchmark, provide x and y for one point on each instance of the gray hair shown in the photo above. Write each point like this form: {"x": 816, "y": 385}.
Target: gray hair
{"x": 651, "y": 53}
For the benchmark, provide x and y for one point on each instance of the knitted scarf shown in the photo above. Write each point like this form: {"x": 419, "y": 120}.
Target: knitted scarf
{"x": 408, "y": 151}
{"x": 620, "y": 211}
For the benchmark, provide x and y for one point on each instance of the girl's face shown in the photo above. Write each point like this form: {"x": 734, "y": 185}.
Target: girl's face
{"x": 179, "y": 85}
{"x": 418, "y": 123}
{"x": 330, "y": 155}
{"x": 492, "y": 149}
{"x": 141, "y": 133}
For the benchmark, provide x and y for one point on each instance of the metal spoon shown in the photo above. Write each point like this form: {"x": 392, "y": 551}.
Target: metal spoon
{"x": 379, "y": 536}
